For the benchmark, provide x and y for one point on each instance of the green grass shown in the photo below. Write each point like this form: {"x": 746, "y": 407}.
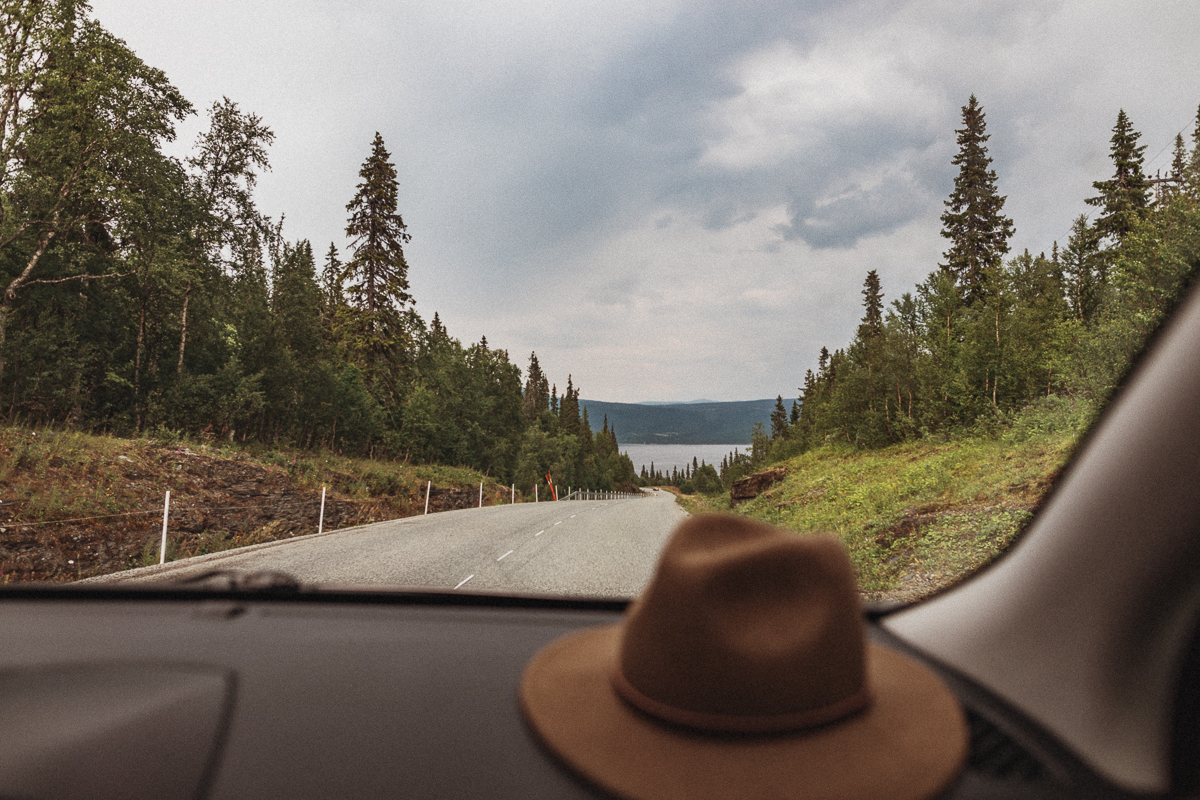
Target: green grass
{"x": 74, "y": 472}
{"x": 917, "y": 515}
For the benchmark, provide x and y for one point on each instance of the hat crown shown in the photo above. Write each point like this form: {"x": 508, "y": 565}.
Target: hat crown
{"x": 745, "y": 628}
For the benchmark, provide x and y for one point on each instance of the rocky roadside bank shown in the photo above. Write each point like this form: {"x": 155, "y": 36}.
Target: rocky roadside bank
{"x": 62, "y": 519}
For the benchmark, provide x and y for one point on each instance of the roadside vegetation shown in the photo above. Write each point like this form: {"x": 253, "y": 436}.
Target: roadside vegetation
{"x": 928, "y": 440}
{"x": 76, "y": 505}
{"x": 919, "y": 515}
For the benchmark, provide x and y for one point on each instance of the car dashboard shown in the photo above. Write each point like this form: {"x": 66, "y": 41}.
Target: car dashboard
{"x": 285, "y": 692}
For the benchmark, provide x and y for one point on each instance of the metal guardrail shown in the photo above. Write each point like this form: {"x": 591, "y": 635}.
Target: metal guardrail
{"x": 598, "y": 494}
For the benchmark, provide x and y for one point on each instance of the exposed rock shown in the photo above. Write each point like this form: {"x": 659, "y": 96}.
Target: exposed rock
{"x": 751, "y": 487}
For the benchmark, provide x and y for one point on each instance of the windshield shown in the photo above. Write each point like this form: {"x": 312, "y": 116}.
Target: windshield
{"x": 488, "y": 299}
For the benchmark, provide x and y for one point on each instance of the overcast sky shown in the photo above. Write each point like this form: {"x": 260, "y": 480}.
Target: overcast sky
{"x": 674, "y": 199}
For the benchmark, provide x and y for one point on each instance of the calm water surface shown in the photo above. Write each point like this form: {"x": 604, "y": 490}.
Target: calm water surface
{"x": 666, "y": 456}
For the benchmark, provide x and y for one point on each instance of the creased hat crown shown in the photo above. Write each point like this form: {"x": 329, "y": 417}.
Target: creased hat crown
{"x": 751, "y": 632}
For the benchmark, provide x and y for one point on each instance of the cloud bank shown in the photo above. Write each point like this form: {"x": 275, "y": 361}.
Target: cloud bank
{"x": 673, "y": 199}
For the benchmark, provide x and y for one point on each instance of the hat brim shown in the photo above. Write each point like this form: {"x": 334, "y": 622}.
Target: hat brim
{"x": 908, "y": 745}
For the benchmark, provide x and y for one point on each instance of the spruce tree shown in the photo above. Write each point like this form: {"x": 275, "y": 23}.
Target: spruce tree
{"x": 978, "y": 232}
{"x": 1191, "y": 170}
{"x": 872, "y": 321}
{"x": 568, "y": 409}
{"x": 537, "y": 390}
{"x": 1124, "y": 198}
{"x": 808, "y": 395}
{"x": 377, "y": 274}
{"x": 296, "y": 299}
{"x": 779, "y": 420}
{"x": 1083, "y": 270}
{"x": 1179, "y": 159}
{"x": 331, "y": 279}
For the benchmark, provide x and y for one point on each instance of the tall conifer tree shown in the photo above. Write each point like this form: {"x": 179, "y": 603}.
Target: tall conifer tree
{"x": 779, "y": 420}
{"x": 872, "y": 321}
{"x": 1125, "y": 197}
{"x": 331, "y": 279}
{"x": 377, "y": 274}
{"x": 1191, "y": 170}
{"x": 1083, "y": 270}
{"x": 973, "y": 221}
{"x": 537, "y": 390}
{"x": 1179, "y": 159}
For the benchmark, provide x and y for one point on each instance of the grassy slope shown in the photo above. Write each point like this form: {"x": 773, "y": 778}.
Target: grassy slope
{"x": 74, "y": 505}
{"x": 917, "y": 515}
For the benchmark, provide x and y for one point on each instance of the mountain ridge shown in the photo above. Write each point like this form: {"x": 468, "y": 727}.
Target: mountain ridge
{"x": 729, "y": 422}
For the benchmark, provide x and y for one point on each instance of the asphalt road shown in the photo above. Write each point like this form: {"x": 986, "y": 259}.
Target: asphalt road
{"x": 598, "y": 548}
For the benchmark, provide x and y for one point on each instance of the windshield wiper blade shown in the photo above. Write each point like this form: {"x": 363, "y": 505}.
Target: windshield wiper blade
{"x": 232, "y": 580}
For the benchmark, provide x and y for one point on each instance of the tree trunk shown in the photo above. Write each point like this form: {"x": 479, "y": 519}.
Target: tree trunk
{"x": 10, "y": 293}
{"x": 139, "y": 413}
{"x": 187, "y": 294}
{"x": 996, "y": 380}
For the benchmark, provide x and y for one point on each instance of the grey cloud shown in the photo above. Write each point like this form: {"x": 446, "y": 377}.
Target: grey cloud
{"x": 843, "y": 222}
{"x": 632, "y": 135}
{"x": 679, "y": 66}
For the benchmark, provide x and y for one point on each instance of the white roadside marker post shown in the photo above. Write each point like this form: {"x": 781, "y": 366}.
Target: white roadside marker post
{"x": 428, "y": 485}
{"x": 535, "y": 493}
{"x": 321, "y": 519}
{"x": 162, "y": 551}
{"x": 514, "y": 494}
{"x": 481, "y": 495}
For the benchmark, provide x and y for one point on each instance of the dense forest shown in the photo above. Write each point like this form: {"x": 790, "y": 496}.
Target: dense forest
{"x": 988, "y": 337}
{"x": 145, "y": 294}
{"x": 148, "y": 294}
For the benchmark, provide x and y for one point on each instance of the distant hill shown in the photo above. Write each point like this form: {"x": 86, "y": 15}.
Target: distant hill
{"x": 680, "y": 423}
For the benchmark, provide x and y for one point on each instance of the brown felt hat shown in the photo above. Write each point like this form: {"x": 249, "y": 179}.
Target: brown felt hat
{"x": 743, "y": 671}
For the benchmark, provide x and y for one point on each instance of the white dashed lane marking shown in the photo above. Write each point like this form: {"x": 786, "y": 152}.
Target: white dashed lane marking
{"x": 510, "y": 552}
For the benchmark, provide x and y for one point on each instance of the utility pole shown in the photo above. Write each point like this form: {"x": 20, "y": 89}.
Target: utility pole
{"x": 1158, "y": 180}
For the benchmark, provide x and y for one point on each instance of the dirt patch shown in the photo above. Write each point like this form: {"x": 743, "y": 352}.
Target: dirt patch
{"x": 930, "y": 549}
{"x": 913, "y": 586}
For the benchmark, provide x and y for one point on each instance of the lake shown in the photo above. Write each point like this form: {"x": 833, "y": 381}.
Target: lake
{"x": 666, "y": 456}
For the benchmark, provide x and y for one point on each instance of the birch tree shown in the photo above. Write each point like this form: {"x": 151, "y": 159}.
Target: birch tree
{"x": 81, "y": 126}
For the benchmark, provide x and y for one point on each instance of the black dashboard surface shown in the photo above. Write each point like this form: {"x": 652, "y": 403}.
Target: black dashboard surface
{"x": 222, "y": 696}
